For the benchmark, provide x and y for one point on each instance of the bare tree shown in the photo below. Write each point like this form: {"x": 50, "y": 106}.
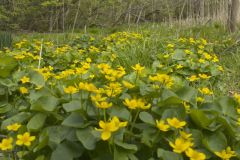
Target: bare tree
{"x": 233, "y": 15}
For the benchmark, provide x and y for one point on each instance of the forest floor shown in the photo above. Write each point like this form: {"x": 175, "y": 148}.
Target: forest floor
{"x": 226, "y": 45}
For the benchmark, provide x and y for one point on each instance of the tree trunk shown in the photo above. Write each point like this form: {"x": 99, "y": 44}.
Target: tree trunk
{"x": 202, "y": 8}
{"x": 233, "y": 15}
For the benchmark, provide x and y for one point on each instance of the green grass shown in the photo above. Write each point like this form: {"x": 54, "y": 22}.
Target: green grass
{"x": 158, "y": 34}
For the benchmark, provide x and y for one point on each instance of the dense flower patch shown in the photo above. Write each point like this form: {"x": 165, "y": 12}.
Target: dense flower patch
{"x": 77, "y": 102}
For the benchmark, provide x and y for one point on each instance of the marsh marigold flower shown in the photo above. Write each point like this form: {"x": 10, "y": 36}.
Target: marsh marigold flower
{"x": 174, "y": 122}
{"x": 138, "y": 68}
{"x": 128, "y": 84}
{"x": 25, "y": 139}
{"x": 70, "y": 90}
{"x": 162, "y": 126}
{"x": 23, "y": 90}
{"x": 205, "y": 91}
{"x": 13, "y": 127}
{"x": 6, "y": 144}
{"x": 195, "y": 155}
{"x": 136, "y": 103}
{"x": 237, "y": 97}
{"x": 193, "y": 78}
{"x": 107, "y": 128}
{"x": 25, "y": 79}
{"x": 204, "y": 76}
{"x": 226, "y": 154}
{"x": 164, "y": 79}
{"x": 180, "y": 145}
{"x": 103, "y": 105}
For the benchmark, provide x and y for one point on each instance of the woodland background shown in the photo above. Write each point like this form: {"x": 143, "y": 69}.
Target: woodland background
{"x": 67, "y": 15}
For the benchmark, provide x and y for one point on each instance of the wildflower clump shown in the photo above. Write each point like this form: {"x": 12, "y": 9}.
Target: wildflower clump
{"x": 95, "y": 98}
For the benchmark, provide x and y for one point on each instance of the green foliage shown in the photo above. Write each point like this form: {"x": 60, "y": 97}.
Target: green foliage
{"x": 85, "y": 103}
{"x": 5, "y": 40}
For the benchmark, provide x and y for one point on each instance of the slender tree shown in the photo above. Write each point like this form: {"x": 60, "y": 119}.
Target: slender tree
{"x": 233, "y": 15}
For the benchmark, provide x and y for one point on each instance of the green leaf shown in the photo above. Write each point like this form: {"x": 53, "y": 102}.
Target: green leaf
{"x": 200, "y": 119}
{"x": 187, "y": 94}
{"x": 72, "y": 106}
{"x": 126, "y": 146}
{"x": 37, "y": 78}
{"x": 74, "y": 120}
{"x": 178, "y": 112}
{"x": 179, "y": 54}
{"x": 67, "y": 151}
{"x": 45, "y": 103}
{"x": 120, "y": 112}
{"x": 41, "y": 157}
{"x": 42, "y": 140}
{"x": 147, "y": 118}
{"x": 5, "y": 108}
{"x": 36, "y": 122}
{"x": 57, "y": 133}
{"x": 227, "y": 107}
{"x": 86, "y": 137}
{"x": 215, "y": 141}
{"x": 124, "y": 151}
{"x": 7, "y": 65}
{"x": 167, "y": 155}
{"x": 18, "y": 118}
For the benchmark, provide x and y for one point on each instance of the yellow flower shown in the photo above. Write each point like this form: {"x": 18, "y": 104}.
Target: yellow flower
{"x": 193, "y": 78}
{"x": 186, "y": 136}
{"x": 70, "y": 90}
{"x": 215, "y": 59}
{"x": 14, "y": 127}
{"x": 200, "y": 99}
{"x": 162, "y": 126}
{"x": 136, "y": 103}
{"x": 19, "y": 56}
{"x": 98, "y": 98}
{"x": 187, "y": 51}
{"x": 138, "y": 68}
{"x": 108, "y": 127}
{"x": 237, "y": 97}
{"x": 113, "y": 89}
{"x": 220, "y": 68}
{"x": 205, "y": 91}
{"x": 204, "y": 76}
{"x": 103, "y": 105}
{"x": 166, "y": 56}
{"x": 128, "y": 84}
{"x": 25, "y": 79}
{"x": 226, "y": 154}
{"x": 163, "y": 79}
{"x": 207, "y": 56}
{"x": 25, "y": 139}
{"x": 201, "y": 61}
{"x": 117, "y": 122}
{"x": 195, "y": 155}
{"x": 238, "y": 121}
{"x": 179, "y": 66}
{"x": 187, "y": 107}
{"x": 23, "y": 90}
{"x": 131, "y": 104}
{"x": 6, "y": 144}
{"x": 142, "y": 104}
{"x": 174, "y": 122}
{"x": 170, "y": 45}
{"x": 180, "y": 145}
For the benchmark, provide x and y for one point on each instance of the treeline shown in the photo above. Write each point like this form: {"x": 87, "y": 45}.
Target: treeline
{"x": 65, "y": 15}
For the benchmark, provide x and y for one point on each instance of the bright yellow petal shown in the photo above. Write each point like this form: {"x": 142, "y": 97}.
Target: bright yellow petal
{"x": 102, "y": 124}
{"x": 105, "y": 135}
